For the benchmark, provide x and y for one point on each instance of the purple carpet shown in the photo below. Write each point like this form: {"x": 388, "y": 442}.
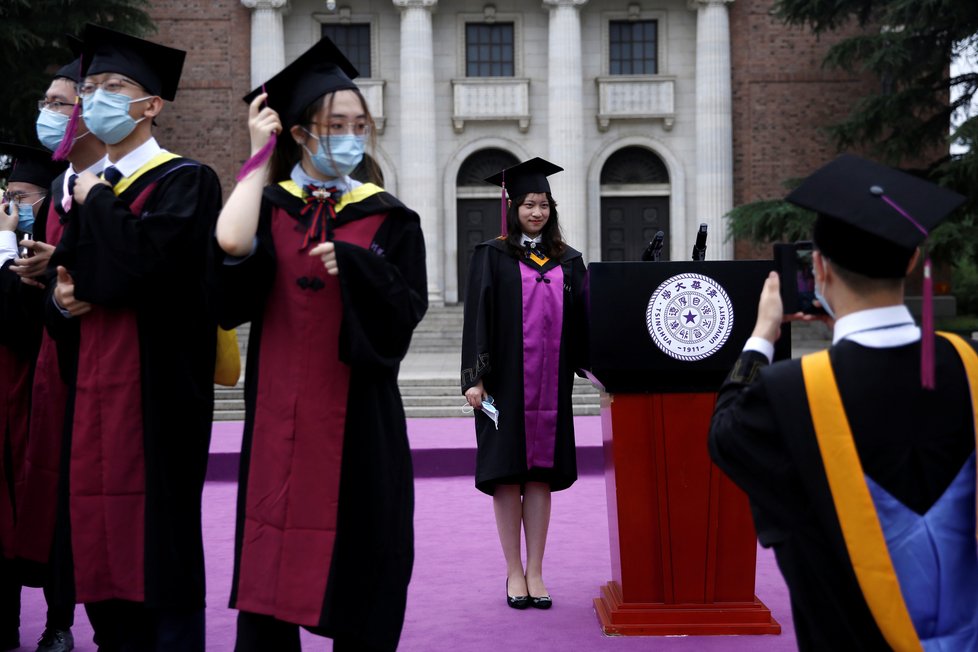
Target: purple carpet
{"x": 455, "y": 600}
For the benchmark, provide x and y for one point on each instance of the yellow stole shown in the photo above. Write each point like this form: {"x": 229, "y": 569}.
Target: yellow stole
{"x": 353, "y": 196}
{"x": 854, "y": 506}
{"x": 154, "y": 162}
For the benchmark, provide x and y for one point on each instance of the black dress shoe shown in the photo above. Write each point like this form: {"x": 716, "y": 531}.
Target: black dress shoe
{"x": 56, "y": 640}
{"x": 543, "y": 602}
{"x": 517, "y": 602}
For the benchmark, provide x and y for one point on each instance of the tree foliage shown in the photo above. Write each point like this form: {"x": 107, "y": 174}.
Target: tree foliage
{"x": 34, "y": 46}
{"x": 908, "y": 45}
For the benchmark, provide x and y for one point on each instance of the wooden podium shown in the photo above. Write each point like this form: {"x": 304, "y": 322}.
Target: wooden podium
{"x": 683, "y": 547}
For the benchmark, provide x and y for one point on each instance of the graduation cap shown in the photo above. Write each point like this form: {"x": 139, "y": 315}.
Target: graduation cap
{"x": 31, "y": 165}
{"x": 73, "y": 70}
{"x": 522, "y": 179}
{"x": 319, "y": 70}
{"x": 526, "y": 177}
{"x": 871, "y": 219}
{"x": 156, "y": 67}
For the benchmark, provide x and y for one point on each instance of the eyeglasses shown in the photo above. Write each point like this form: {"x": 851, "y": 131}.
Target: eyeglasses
{"x": 19, "y": 197}
{"x": 340, "y": 128}
{"x": 54, "y": 105}
{"x": 109, "y": 86}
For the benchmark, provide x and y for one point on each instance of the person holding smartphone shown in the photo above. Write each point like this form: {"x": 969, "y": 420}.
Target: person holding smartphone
{"x": 859, "y": 461}
{"x": 524, "y": 336}
{"x": 29, "y": 176}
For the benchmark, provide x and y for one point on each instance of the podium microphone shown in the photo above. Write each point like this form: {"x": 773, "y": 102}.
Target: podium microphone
{"x": 653, "y": 252}
{"x": 699, "y": 249}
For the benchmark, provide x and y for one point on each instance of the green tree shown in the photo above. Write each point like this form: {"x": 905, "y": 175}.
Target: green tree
{"x": 908, "y": 45}
{"x": 33, "y": 46}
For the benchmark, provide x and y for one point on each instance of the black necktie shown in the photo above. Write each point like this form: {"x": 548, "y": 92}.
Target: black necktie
{"x": 112, "y": 175}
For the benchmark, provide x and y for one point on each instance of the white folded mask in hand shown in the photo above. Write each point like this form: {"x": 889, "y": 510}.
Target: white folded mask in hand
{"x": 490, "y": 410}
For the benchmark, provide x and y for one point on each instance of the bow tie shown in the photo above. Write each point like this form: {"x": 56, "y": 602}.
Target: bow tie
{"x": 320, "y": 201}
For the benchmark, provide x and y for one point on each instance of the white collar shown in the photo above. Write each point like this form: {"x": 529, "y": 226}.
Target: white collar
{"x": 878, "y": 328}
{"x": 94, "y": 168}
{"x": 137, "y": 158}
{"x": 302, "y": 179}
{"x": 525, "y": 240}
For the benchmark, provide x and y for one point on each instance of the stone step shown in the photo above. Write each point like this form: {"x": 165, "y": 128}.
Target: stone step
{"x": 440, "y": 412}
{"x": 458, "y": 402}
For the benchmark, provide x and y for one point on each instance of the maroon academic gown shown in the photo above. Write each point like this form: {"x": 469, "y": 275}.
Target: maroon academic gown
{"x": 20, "y": 329}
{"x": 37, "y": 503}
{"x": 141, "y": 391}
{"x": 325, "y": 504}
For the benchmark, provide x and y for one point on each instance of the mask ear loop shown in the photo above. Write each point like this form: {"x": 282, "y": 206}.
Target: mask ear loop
{"x": 262, "y": 155}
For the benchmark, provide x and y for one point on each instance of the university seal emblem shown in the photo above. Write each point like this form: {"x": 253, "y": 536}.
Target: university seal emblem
{"x": 689, "y": 317}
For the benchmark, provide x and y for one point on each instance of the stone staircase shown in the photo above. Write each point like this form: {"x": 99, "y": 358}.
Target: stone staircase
{"x": 429, "y": 375}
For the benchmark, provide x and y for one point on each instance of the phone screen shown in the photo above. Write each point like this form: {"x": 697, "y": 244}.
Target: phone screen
{"x": 794, "y": 263}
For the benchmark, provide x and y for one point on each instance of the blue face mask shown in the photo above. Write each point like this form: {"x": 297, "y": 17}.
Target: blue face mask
{"x": 346, "y": 150}
{"x": 824, "y": 302}
{"x": 50, "y": 128}
{"x": 107, "y": 115}
{"x": 25, "y": 217}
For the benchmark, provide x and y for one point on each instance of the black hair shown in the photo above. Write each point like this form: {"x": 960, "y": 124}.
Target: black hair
{"x": 552, "y": 241}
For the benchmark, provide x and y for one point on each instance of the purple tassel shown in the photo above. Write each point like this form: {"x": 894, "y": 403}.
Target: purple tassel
{"x": 258, "y": 158}
{"x": 502, "y": 207}
{"x": 68, "y": 141}
{"x": 927, "y": 379}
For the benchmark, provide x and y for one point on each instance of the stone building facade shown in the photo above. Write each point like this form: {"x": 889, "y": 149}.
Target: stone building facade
{"x": 664, "y": 113}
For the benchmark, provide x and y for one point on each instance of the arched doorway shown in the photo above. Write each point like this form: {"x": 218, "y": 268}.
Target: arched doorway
{"x": 477, "y": 205}
{"x": 634, "y": 203}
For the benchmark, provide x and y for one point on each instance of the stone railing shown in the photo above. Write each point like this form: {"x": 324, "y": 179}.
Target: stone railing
{"x": 622, "y": 97}
{"x": 373, "y": 92}
{"x": 491, "y": 98}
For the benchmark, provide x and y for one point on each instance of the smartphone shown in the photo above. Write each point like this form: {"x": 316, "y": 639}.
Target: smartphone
{"x": 794, "y": 263}
{"x": 24, "y": 251}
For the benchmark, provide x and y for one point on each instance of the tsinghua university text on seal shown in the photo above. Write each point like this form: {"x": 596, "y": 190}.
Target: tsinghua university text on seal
{"x": 689, "y": 316}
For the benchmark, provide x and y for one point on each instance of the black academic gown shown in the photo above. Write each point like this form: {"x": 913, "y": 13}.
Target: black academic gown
{"x": 910, "y": 441}
{"x": 325, "y": 535}
{"x": 492, "y": 351}
{"x": 144, "y": 271}
{"x": 20, "y": 334}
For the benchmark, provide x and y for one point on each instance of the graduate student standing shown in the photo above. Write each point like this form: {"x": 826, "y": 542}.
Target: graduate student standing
{"x": 524, "y": 336}
{"x": 859, "y": 461}
{"x": 331, "y": 274}
{"x": 131, "y": 268}
{"x": 37, "y": 504}
{"x": 20, "y": 330}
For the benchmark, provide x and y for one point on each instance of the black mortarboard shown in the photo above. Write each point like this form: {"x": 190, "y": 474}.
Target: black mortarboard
{"x": 526, "y": 177}
{"x": 31, "y": 164}
{"x": 319, "y": 70}
{"x": 156, "y": 67}
{"x": 871, "y": 218}
{"x": 73, "y": 70}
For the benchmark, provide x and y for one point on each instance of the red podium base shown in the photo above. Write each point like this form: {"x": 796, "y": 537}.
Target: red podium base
{"x": 683, "y": 547}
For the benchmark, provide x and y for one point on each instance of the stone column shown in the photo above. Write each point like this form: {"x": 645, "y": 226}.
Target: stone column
{"x": 714, "y": 127}
{"x": 267, "y": 38}
{"x": 419, "y": 186}
{"x": 565, "y": 118}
